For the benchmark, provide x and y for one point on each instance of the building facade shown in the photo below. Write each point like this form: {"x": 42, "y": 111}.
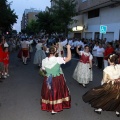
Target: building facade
{"x": 28, "y": 15}
{"x": 94, "y": 13}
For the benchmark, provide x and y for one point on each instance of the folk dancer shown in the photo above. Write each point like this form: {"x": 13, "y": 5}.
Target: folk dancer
{"x": 55, "y": 95}
{"x": 83, "y": 71}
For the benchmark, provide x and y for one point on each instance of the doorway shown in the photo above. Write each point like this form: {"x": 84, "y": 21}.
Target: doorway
{"x": 77, "y": 35}
{"x": 97, "y": 35}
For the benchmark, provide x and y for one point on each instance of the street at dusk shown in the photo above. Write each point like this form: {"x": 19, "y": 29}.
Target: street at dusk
{"x": 60, "y": 60}
{"x": 20, "y": 95}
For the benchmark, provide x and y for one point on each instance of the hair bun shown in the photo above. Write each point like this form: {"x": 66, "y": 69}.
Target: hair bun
{"x": 113, "y": 58}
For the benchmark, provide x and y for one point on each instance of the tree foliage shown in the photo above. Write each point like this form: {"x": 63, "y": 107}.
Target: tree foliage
{"x": 32, "y": 28}
{"x": 56, "y": 20}
{"x": 8, "y": 16}
{"x": 64, "y": 10}
{"x": 46, "y": 22}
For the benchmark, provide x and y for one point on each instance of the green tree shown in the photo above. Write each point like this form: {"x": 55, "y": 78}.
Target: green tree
{"x": 64, "y": 11}
{"x": 46, "y": 22}
{"x": 32, "y": 28}
{"x": 8, "y": 16}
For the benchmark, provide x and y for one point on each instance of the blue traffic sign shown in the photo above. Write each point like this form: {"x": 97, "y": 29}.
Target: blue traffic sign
{"x": 103, "y": 29}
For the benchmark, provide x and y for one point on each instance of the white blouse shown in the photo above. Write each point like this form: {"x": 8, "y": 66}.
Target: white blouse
{"x": 50, "y": 62}
{"x": 113, "y": 71}
{"x": 39, "y": 46}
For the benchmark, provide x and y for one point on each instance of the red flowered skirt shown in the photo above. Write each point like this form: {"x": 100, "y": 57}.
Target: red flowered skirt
{"x": 57, "y": 98}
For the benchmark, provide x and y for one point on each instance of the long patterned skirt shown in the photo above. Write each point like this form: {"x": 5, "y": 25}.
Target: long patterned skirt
{"x": 106, "y": 97}
{"x": 82, "y": 73}
{"x": 57, "y": 98}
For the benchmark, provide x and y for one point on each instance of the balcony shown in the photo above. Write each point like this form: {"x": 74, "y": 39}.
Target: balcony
{"x": 94, "y": 4}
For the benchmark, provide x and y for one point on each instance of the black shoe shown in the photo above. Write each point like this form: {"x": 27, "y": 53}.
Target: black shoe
{"x": 53, "y": 113}
{"x": 118, "y": 115}
{"x": 98, "y": 112}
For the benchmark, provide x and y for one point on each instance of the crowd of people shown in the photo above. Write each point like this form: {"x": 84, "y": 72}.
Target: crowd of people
{"x": 50, "y": 54}
{"x": 55, "y": 95}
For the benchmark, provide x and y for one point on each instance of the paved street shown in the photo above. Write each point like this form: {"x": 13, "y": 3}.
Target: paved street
{"x": 20, "y": 95}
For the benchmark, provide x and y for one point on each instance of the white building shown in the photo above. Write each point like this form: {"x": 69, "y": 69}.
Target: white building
{"x": 96, "y": 13}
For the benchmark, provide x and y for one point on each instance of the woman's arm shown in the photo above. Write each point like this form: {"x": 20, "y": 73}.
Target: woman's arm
{"x": 68, "y": 58}
{"x": 106, "y": 78}
{"x": 78, "y": 52}
{"x": 90, "y": 60}
{"x": 90, "y": 64}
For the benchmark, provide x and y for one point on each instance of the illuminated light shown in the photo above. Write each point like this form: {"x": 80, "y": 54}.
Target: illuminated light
{"x": 79, "y": 28}
{"x": 74, "y": 28}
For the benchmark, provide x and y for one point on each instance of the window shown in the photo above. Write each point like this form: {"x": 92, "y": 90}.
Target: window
{"x": 93, "y": 13}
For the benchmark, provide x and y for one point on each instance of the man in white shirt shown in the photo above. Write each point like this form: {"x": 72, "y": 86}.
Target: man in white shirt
{"x": 25, "y": 50}
{"x": 100, "y": 55}
{"x": 81, "y": 44}
{"x": 71, "y": 43}
{"x": 76, "y": 43}
{"x": 94, "y": 52}
{"x": 60, "y": 47}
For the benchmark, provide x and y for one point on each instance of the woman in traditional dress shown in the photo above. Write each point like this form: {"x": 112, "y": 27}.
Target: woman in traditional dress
{"x": 54, "y": 94}
{"x": 106, "y": 97}
{"x": 39, "y": 55}
{"x": 83, "y": 71}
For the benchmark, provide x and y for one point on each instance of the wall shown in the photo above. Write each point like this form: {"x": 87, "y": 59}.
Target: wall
{"x": 109, "y": 17}
{"x": 92, "y": 4}
{"x": 78, "y": 23}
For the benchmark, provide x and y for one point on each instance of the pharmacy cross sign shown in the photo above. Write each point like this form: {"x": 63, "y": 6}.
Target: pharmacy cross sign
{"x": 103, "y": 29}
